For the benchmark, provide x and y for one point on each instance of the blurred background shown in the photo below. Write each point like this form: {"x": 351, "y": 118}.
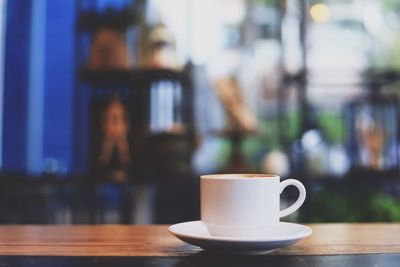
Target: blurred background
{"x": 111, "y": 109}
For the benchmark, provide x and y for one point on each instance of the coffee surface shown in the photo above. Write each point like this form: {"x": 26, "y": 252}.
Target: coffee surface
{"x": 239, "y": 176}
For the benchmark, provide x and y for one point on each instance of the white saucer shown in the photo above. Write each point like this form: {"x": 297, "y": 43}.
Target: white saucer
{"x": 195, "y": 233}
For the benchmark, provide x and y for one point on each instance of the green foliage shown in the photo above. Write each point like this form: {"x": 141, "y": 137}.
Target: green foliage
{"x": 224, "y": 152}
{"x": 331, "y": 123}
{"x": 332, "y": 126}
{"x": 385, "y": 208}
{"x": 328, "y": 207}
{"x": 391, "y": 5}
{"x": 291, "y": 124}
{"x": 267, "y": 2}
{"x": 269, "y": 132}
{"x": 251, "y": 145}
{"x": 356, "y": 207}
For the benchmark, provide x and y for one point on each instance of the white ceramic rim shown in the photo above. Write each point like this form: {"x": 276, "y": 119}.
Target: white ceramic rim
{"x": 307, "y": 231}
{"x": 239, "y": 176}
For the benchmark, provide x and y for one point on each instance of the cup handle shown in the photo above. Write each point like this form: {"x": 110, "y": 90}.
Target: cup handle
{"x": 300, "y": 199}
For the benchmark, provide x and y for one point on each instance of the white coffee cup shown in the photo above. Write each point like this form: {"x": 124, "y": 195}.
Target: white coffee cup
{"x": 244, "y": 205}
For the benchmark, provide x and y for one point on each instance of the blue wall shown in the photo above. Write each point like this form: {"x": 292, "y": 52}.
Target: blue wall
{"x": 16, "y": 85}
{"x": 55, "y": 115}
{"x": 59, "y": 83}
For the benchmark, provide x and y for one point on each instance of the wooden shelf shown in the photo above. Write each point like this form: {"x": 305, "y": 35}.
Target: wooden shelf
{"x": 92, "y": 20}
{"x": 113, "y": 77}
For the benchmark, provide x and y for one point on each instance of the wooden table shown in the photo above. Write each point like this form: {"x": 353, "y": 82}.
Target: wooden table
{"x": 356, "y": 243}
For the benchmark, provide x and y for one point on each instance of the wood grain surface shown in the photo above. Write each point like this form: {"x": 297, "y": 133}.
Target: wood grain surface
{"x": 154, "y": 240}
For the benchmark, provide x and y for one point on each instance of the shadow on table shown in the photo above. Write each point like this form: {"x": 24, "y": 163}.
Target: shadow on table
{"x": 206, "y": 260}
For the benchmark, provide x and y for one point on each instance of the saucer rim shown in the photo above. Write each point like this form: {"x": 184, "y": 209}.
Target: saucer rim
{"x": 307, "y": 231}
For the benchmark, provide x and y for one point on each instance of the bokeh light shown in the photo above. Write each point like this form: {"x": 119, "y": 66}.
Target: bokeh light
{"x": 320, "y": 13}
